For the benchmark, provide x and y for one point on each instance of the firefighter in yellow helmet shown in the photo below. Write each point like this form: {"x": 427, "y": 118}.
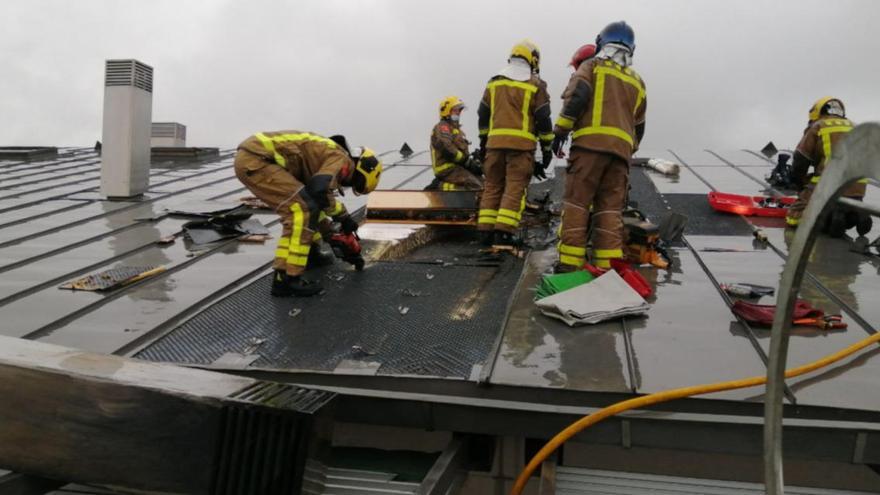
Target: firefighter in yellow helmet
{"x": 604, "y": 110}
{"x": 454, "y": 170}
{"x": 514, "y": 116}
{"x": 826, "y": 127}
{"x": 297, "y": 173}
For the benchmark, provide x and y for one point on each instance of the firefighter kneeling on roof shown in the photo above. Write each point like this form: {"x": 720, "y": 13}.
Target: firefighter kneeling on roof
{"x": 604, "y": 109}
{"x": 827, "y": 126}
{"x": 296, "y": 174}
{"x": 453, "y": 169}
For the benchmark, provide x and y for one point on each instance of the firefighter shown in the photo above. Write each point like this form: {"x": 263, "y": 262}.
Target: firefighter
{"x": 582, "y": 54}
{"x": 296, "y": 173}
{"x": 826, "y": 127}
{"x": 454, "y": 170}
{"x": 514, "y": 115}
{"x": 604, "y": 109}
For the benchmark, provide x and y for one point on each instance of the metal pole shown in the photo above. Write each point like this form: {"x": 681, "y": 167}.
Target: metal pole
{"x": 857, "y": 157}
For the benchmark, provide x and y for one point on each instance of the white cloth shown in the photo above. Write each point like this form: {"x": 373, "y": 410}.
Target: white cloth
{"x": 606, "y": 297}
{"x": 616, "y": 52}
{"x": 517, "y": 69}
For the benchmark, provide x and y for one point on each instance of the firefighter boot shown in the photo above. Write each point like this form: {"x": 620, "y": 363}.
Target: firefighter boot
{"x": 318, "y": 259}
{"x": 836, "y": 225}
{"x": 505, "y": 239}
{"x": 283, "y": 285}
{"x": 487, "y": 237}
{"x": 864, "y": 223}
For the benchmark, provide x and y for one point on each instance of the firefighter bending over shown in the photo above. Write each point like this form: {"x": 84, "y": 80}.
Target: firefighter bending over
{"x": 296, "y": 174}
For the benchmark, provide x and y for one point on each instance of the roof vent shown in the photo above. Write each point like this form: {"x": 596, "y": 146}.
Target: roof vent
{"x": 168, "y": 134}
{"x": 128, "y": 114}
{"x": 129, "y": 73}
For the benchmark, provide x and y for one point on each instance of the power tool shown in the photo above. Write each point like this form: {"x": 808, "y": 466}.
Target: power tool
{"x": 347, "y": 247}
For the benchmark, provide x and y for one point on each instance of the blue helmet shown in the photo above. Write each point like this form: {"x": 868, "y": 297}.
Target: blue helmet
{"x": 617, "y": 32}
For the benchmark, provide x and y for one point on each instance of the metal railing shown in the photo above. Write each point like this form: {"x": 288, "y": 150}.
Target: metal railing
{"x": 857, "y": 157}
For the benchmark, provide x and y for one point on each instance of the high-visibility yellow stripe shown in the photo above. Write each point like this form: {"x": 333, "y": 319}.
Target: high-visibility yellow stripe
{"x": 447, "y": 186}
{"x": 572, "y": 250}
{"x": 439, "y": 169}
{"x": 322, "y": 217}
{"x": 546, "y": 137}
{"x": 483, "y": 132}
{"x": 598, "y": 99}
{"x": 337, "y": 209}
{"x": 815, "y": 179}
{"x": 270, "y": 147}
{"x": 611, "y": 71}
{"x": 527, "y": 87}
{"x": 458, "y": 156}
{"x": 603, "y": 263}
{"x": 523, "y": 132}
{"x": 564, "y": 122}
{"x": 297, "y": 260}
{"x": 510, "y": 213}
{"x": 283, "y": 242}
{"x": 298, "y": 224}
{"x": 508, "y": 221}
{"x": 281, "y": 253}
{"x": 608, "y": 253}
{"x": 316, "y": 237}
{"x": 792, "y": 221}
{"x": 572, "y": 260}
{"x": 487, "y": 216}
{"x": 513, "y": 132}
{"x": 269, "y": 142}
{"x": 825, "y": 134}
{"x": 606, "y": 130}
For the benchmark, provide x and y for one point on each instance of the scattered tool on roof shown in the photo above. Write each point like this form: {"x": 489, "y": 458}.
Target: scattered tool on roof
{"x": 781, "y": 176}
{"x": 347, "y": 247}
{"x": 113, "y": 278}
{"x": 751, "y": 291}
{"x": 757, "y": 206}
{"x": 646, "y": 242}
{"x": 804, "y": 314}
{"x": 665, "y": 167}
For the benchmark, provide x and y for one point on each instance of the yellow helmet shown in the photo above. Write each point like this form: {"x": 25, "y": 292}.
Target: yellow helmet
{"x": 816, "y": 109}
{"x": 528, "y": 51}
{"x": 448, "y": 105}
{"x": 367, "y": 172}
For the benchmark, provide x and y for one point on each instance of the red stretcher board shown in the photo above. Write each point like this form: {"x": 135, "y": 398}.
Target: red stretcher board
{"x": 750, "y": 206}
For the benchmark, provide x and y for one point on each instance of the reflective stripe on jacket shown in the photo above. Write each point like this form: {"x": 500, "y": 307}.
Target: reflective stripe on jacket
{"x": 618, "y": 104}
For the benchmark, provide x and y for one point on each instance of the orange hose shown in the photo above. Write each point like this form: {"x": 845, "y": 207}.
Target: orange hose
{"x": 670, "y": 395}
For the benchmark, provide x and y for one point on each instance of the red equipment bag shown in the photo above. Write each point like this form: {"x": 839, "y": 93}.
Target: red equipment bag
{"x": 629, "y": 275}
{"x": 762, "y": 314}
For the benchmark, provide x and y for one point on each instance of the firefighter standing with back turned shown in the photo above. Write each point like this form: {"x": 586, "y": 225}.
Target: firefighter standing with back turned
{"x": 514, "y": 115}
{"x": 454, "y": 170}
{"x": 604, "y": 109}
{"x": 296, "y": 174}
{"x": 826, "y": 127}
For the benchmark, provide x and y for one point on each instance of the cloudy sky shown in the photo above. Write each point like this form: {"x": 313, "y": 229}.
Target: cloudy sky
{"x": 720, "y": 73}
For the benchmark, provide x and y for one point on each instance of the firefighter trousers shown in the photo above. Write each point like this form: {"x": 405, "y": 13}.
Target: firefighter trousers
{"x": 600, "y": 180}
{"x": 280, "y": 190}
{"x": 796, "y": 210}
{"x": 508, "y": 173}
{"x": 460, "y": 179}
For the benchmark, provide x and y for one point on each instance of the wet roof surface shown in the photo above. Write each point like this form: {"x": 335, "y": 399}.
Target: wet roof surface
{"x": 54, "y": 227}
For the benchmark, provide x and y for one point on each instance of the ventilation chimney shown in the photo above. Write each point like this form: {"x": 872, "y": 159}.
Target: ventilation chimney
{"x": 168, "y": 135}
{"x": 128, "y": 112}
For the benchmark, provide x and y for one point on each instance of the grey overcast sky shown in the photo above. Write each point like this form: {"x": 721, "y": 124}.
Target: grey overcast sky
{"x": 719, "y": 73}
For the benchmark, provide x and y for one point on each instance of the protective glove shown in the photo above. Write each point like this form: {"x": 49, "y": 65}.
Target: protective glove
{"x": 473, "y": 166}
{"x": 348, "y": 224}
{"x": 558, "y": 142}
{"x": 311, "y": 204}
{"x": 481, "y": 151}
{"x": 539, "y": 171}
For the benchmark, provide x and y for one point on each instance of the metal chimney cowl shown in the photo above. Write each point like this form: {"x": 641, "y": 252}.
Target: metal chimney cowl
{"x": 128, "y": 114}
